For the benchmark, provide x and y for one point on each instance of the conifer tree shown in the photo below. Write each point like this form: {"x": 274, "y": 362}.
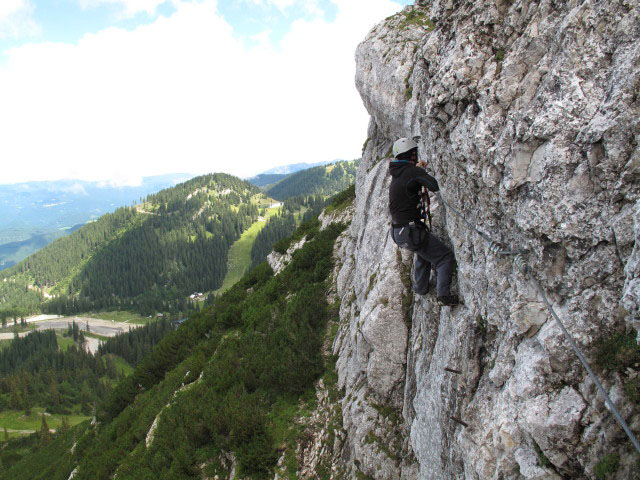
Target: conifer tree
{"x": 14, "y": 397}
{"x": 26, "y": 403}
{"x": 54, "y": 392}
{"x": 45, "y": 434}
{"x": 65, "y": 425}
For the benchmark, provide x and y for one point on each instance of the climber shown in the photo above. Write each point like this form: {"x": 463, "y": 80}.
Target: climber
{"x": 408, "y": 229}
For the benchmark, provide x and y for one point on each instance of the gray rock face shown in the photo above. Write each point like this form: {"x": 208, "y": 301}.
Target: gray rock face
{"x": 528, "y": 113}
{"x": 277, "y": 261}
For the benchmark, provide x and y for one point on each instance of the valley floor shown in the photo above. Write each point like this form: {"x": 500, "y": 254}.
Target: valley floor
{"x": 99, "y": 327}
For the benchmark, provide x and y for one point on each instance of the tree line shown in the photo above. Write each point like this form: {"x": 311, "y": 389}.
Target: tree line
{"x": 136, "y": 344}
{"x": 17, "y": 300}
{"x": 35, "y": 372}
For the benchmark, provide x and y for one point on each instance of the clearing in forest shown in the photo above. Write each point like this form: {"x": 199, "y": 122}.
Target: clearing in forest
{"x": 240, "y": 252}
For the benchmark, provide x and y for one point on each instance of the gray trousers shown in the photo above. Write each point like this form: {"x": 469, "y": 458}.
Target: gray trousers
{"x": 428, "y": 251}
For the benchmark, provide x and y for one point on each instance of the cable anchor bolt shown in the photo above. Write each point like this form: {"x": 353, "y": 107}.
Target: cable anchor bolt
{"x": 521, "y": 263}
{"x": 495, "y": 247}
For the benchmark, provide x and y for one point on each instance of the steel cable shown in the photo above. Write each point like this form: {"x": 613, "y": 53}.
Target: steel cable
{"x": 495, "y": 247}
{"x": 521, "y": 264}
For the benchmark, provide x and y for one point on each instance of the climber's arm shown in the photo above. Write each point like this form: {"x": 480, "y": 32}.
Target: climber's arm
{"x": 423, "y": 180}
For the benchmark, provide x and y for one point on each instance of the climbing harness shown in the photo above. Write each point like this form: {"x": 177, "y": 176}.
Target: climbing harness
{"x": 521, "y": 264}
{"x": 425, "y": 206}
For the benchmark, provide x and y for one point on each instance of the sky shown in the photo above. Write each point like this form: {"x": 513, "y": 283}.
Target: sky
{"x": 114, "y": 90}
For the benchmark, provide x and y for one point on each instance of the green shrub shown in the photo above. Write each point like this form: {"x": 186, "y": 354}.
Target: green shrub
{"x": 417, "y": 17}
{"x": 543, "y": 461}
{"x": 342, "y": 200}
{"x": 620, "y": 352}
{"x": 608, "y": 465}
{"x": 617, "y": 352}
{"x": 308, "y": 228}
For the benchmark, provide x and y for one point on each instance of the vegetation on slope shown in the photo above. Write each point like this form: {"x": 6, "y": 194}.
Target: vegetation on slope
{"x": 17, "y": 300}
{"x": 38, "y": 458}
{"x": 296, "y": 210}
{"x": 35, "y": 372}
{"x": 134, "y": 345}
{"x": 305, "y": 194}
{"x": 233, "y": 367}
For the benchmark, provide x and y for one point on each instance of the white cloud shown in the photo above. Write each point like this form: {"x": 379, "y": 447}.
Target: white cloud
{"x": 182, "y": 94}
{"x": 76, "y": 189}
{"x": 16, "y": 19}
{"x": 129, "y": 7}
{"x": 282, "y": 4}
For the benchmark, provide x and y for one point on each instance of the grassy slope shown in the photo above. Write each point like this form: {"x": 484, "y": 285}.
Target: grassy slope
{"x": 240, "y": 252}
{"x": 121, "y": 365}
{"x": 64, "y": 342}
{"x": 17, "y": 420}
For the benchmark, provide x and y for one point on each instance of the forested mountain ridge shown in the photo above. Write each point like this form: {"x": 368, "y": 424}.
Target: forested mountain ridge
{"x": 33, "y": 214}
{"x": 321, "y": 180}
{"x": 149, "y": 257}
{"x": 265, "y": 180}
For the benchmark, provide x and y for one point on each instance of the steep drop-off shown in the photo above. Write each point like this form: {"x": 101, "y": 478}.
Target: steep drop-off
{"x": 528, "y": 114}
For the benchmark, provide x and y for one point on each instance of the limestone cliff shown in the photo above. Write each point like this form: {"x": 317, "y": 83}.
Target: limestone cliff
{"x": 528, "y": 113}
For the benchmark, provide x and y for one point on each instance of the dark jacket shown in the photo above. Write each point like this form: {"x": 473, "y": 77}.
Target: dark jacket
{"x": 404, "y": 193}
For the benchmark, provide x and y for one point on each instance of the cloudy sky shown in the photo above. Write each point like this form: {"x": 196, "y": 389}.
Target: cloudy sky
{"x": 119, "y": 89}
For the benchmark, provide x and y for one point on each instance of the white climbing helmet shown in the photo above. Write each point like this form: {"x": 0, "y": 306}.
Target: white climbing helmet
{"x": 403, "y": 145}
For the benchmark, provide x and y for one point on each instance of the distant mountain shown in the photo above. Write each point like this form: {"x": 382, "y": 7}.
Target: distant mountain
{"x": 33, "y": 214}
{"x": 266, "y": 179}
{"x": 296, "y": 167}
{"x": 13, "y": 252}
{"x": 148, "y": 257}
{"x": 323, "y": 180}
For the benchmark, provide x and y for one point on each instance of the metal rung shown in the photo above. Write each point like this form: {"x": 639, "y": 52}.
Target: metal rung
{"x": 453, "y": 370}
{"x": 457, "y": 420}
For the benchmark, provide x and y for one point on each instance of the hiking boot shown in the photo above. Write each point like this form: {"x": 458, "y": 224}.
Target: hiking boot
{"x": 448, "y": 300}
